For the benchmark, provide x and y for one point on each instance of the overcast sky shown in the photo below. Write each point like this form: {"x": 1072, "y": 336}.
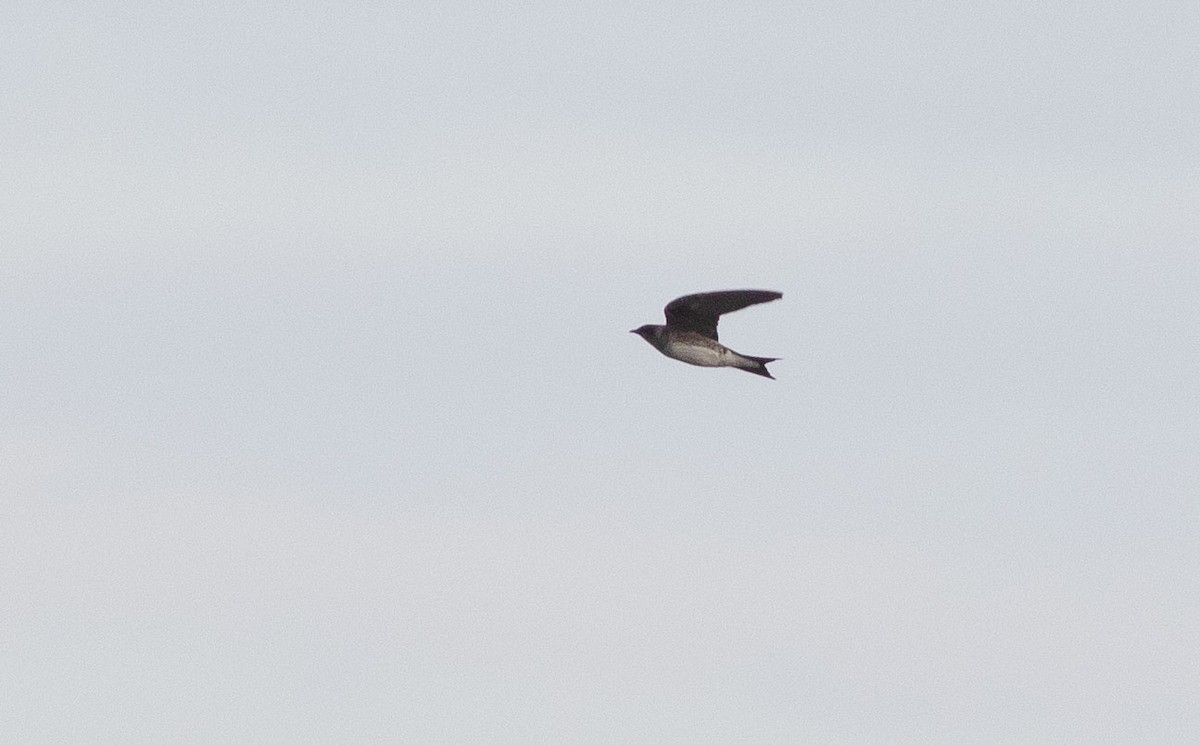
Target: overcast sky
{"x": 321, "y": 422}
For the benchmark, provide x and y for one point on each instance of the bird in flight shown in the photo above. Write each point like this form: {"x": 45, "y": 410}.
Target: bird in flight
{"x": 691, "y": 332}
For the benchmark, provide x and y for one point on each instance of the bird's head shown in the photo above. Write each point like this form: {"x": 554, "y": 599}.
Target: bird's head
{"x": 647, "y": 332}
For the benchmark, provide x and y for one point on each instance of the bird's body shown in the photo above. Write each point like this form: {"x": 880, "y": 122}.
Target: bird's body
{"x": 690, "y": 334}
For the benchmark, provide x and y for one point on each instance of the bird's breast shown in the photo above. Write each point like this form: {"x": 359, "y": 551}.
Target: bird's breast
{"x": 697, "y": 351}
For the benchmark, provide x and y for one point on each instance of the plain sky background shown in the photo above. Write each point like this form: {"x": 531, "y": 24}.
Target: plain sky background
{"x": 321, "y": 422}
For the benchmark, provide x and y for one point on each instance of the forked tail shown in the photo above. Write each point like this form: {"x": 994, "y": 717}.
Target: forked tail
{"x": 760, "y": 367}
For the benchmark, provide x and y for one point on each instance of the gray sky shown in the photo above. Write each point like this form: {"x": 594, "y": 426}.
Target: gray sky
{"x": 321, "y": 422}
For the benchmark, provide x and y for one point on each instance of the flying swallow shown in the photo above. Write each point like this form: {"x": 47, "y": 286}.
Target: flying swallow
{"x": 691, "y": 332}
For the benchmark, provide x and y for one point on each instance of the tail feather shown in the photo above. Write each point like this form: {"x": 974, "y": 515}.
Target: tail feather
{"x": 761, "y": 369}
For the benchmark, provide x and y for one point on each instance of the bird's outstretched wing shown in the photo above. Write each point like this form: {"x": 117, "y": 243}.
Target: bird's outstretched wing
{"x": 700, "y": 312}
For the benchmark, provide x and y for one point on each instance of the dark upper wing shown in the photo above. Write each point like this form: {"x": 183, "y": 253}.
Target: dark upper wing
{"x": 701, "y": 312}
